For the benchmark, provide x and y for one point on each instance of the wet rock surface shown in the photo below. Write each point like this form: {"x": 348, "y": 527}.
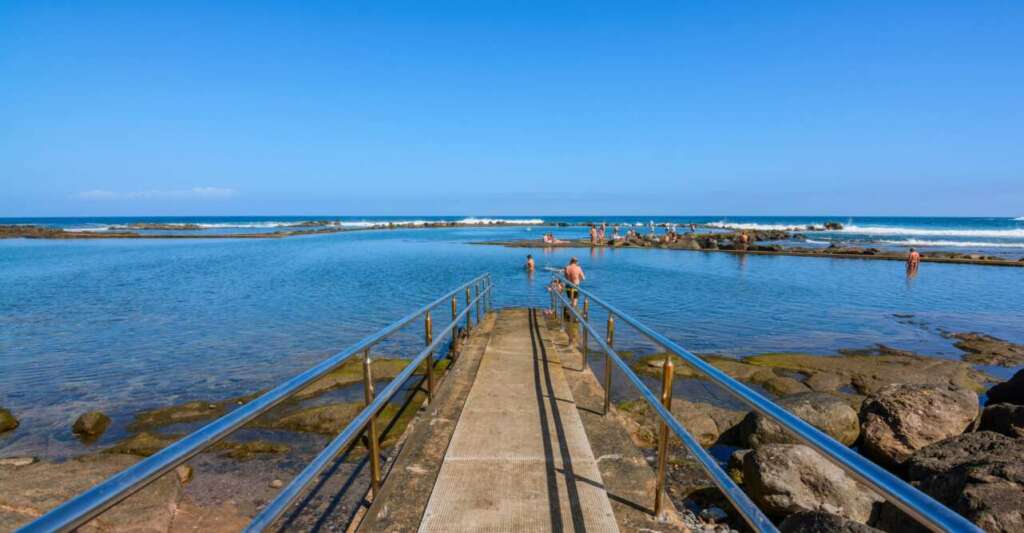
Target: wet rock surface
{"x": 903, "y": 418}
{"x": 830, "y": 414}
{"x": 1005, "y": 418}
{"x": 91, "y": 425}
{"x": 979, "y": 475}
{"x": 988, "y": 350}
{"x": 1010, "y": 391}
{"x": 790, "y": 478}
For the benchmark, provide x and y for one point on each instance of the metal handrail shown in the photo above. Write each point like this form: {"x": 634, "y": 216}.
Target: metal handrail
{"x": 289, "y": 494}
{"x": 751, "y": 513}
{"x": 89, "y": 504}
{"x": 907, "y": 498}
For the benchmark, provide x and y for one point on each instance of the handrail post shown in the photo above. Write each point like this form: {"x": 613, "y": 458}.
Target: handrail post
{"x": 476, "y": 289}
{"x": 667, "y": 372}
{"x": 608, "y": 362}
{"x": 453, "y": 350}
{"x": 469, "y": 316}
{"x": 428, "y": 337}
{"x": 586, "y": 335}
{"x": 374, "y": 447}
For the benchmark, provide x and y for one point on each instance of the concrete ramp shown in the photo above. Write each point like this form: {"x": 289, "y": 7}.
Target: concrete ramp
{"x": 519, "y": 459}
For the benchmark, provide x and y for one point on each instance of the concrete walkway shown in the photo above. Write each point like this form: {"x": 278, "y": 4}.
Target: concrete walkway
{"x": 519, "y": 459}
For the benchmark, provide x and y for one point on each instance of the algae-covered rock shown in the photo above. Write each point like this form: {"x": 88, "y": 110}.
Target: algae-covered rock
{"x": 830, "y": 414}
{"x": 784, "y": 386}
{"x": 146, "y": 444}
{"x": 7, "y": 420}
{"x": 325, "y": 419}
{"x": 870, "y": 373}
{"x": 91, "y": 425}
{"x": 903, "y": 418}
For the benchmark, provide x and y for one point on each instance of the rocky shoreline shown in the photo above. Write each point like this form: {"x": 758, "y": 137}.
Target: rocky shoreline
{"x": 918, "y": 416}
{"x": 131, "y": 231}
{"x": 224, "y": 486}
{"x": 728, "y": 242}
{"x": 921, "y": 418}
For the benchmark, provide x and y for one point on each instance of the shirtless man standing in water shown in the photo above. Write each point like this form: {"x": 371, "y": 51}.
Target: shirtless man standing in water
{"x": 530, "y": 267}
{"x": 574, "y": 274}
{"x": 913, "y": 261}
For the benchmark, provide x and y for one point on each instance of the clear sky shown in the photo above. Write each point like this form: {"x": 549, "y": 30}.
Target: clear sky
{"x": 486, "y": 108}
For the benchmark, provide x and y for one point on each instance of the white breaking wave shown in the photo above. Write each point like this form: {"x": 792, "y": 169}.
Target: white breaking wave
{"x": 1019, "y": 219}
{"x": 94, "y": 228}
{"x": 922, "y": 232}
{"x": 954, "y": 244}
{"x": 524, "y": 221}
{"x": 759, "y": 227}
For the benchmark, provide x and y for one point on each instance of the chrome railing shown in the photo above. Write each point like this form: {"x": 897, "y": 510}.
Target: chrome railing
{"x": 751, "y": 513}
{"x": 910, "y": 500}
{"x": 91, "y": 503}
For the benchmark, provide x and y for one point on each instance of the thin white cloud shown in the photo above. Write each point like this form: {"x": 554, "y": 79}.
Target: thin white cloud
{"x": 194, "y": 192}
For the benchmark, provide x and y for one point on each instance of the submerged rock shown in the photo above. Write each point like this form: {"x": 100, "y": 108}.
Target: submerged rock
{"x": 1011, "y": 391}
{"x": 979, "y": 475}
{"x": 828, "y": 413}
{"x": 903, "y": 418}
{"x": 822, "y": 522}
{"x": 1005, "y": 418}
{"x": 790, "y": 478}
{"x": 7, "y": 420}
{"x": 988, "y": 350}
{"x": 91, "y": 425}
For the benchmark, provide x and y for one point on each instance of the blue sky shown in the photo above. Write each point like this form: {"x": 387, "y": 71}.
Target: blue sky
{"x": 483, "y": 108}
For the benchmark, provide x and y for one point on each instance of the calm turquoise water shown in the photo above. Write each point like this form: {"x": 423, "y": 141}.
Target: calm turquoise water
{"x": 123, "y": 325}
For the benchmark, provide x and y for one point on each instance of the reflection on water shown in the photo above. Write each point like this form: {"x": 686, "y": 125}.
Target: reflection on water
{"x": 127, "y": 325}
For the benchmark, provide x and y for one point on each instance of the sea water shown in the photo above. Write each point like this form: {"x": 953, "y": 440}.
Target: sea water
{"x": 125, "y": 325}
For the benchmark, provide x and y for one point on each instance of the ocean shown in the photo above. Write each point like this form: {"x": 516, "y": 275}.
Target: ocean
{"x": 124, "y": 325}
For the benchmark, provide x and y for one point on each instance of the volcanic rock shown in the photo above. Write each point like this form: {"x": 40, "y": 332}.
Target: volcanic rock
{"x": 903, "y": 418}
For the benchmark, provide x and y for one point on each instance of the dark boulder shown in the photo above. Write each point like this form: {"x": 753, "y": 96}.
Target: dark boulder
{"x": 1011, "y": 391}
{"x": 833, "y": 225}
{"x": 1005, "y": 418}
{"x": 979, "y": 475}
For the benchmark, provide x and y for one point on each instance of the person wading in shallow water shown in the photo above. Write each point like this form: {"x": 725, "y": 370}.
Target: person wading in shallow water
{"x": 575, "y": 275}
{"x": 530, "y": 267}
{"x": 913, "y": 261}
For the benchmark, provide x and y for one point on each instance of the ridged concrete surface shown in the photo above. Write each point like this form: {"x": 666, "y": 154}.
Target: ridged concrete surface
{"x": 519, "y": 459}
